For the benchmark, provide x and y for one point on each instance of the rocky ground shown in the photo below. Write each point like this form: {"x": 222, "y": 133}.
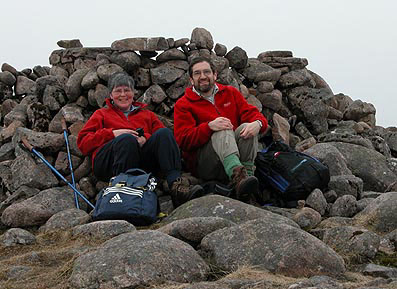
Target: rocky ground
{"x": 211, "y": 242}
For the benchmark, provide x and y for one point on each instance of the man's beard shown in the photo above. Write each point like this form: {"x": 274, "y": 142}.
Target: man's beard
{"x": 204, "y": 88}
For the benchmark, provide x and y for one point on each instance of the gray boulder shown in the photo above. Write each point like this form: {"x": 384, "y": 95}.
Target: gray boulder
{"x": 26, "y": 172}
{"x": 220, "y": 63}
{"x": 39, "y": 71}
{"x": 154, "y": 94}
{"x": 73, "y": 85}
{"x": 358, "y": 110}
{"x": 379, "y": 271}
{"x": 202, "y": 38}
{"x": 226, "y": 208}
{"x": 330, "y": 156}
{"x": 295, "y": 78}
{"x": 353, "y": 242}
{"x": 171, "y": 54}
{"x": 237, "y": 57}
{"x": 106, "y": 70}
{"x": 193, "y": 230}
{"x": 90, "y": 80}
{"x": 278, "y": 248}
{"x": 17, "y": 236}
{"x": 307, "y": 218}
{"x": 177, "y": 89}
{"x": 369, "y": 165}
{"x": 24, "y": 85}
{"x": 345, "y": 137}
{"x": 391, "y": 140}
{"x": 181, "y": 42}
{"x": 39, "y": 208}
{"x": 302, "y": 130}
{"x": 363, "y": 203}
{"x": 317, "y": 201}
{"x": 58, "y": 71}
{"x": 45, "y": 141}
{"x": 345, "y": 206}
{"x": 228, "y": 77}
{"x": 137, "y": 259}
{"x": 98, "y": 96}
{"x": 6, "y": 91}
{"x": 103, "y": 229}
{"x": 54, "y": 97}
{"x": 381, "y": 214}
{"x": 220, "y": 49}
{"x": 6, "y": 151}
{"x": 129, "y": 60}
{"x": 72, "y": 43}
{"x": 65, "y": 220}
{"x": 272, "y": 100}
{"x": 8, "y": 132}
{"x": 312, "y": 104}
{"x": 140, "y": 44}
{"x": 165, "y": 74}
{"x": 346, "y": 185}
{"x": 257, "y": 71}
{"x": 18, "y": 113}
{"x": 142, "y": 77}
{"x": 7, "y": 78}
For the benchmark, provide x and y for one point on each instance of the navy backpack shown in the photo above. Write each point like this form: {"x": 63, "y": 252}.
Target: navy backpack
{"x": 130, "y": 196}
{"x": 288, "y": 175}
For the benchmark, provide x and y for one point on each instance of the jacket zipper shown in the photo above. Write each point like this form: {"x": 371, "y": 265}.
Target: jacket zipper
{"x": 216, "y": 108}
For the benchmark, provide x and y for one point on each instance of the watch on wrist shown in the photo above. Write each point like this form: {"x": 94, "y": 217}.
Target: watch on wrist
{"x": 260, "y": 123}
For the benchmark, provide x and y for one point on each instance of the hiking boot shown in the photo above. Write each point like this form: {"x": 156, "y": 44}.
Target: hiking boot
{"x": 182, "y": 191}
{"x": 244, "y": 185}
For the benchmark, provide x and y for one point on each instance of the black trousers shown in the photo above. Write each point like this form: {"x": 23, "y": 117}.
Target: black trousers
{"x": 160, "y": 154}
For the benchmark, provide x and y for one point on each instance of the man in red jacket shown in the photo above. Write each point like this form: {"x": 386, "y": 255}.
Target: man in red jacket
{"x": 217, "y": 130}
{"x": 111, "y": 137}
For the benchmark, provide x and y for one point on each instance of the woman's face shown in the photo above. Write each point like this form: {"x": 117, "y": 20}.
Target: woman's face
{"x": 122, "y": 96}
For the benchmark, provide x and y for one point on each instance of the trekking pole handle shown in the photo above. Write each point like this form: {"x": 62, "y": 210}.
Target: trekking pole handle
{"x": 26, "y": 143}
{"x": 63, "y": 122}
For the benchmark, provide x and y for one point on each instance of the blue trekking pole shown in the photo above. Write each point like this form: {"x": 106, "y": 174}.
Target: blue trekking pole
{"x": 31, "y": 149}
{"x": 65, "y": 135}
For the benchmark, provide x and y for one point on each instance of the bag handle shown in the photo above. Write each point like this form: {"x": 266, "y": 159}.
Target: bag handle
{"x": 135, "y": 172}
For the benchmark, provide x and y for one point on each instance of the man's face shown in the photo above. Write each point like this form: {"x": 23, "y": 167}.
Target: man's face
{"x": 203, "y": 78}
{"x": 122, "y": 96}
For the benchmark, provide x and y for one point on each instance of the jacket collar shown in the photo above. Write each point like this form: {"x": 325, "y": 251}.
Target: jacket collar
{"x": 191, "y": 95}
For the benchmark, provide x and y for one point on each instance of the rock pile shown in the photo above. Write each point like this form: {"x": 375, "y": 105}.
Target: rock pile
{"x": 356, "y": 218}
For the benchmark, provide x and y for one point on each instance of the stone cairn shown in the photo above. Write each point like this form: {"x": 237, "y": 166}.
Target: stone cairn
{"x": 338, "y": 130}
{"x": 33, "y": 101}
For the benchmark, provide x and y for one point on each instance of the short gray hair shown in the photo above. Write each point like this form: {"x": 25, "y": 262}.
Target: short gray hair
{"x": 120, "y": 79}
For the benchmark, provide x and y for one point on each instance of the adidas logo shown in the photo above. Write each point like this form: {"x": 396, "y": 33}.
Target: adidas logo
{"x": 116, "y": 199}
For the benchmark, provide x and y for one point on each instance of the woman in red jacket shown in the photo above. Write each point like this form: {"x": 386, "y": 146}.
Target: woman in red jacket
{"x": 126, "y": 135}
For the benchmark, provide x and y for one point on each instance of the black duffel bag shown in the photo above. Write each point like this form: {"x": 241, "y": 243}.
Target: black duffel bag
{"x": 289, "y": 175}
{"x": 130, "y": 196}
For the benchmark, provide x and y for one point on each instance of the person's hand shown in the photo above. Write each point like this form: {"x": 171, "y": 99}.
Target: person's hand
{"x": 121, "y": 131}
{"x": 141, "y": 140}
{"x": 250, "y": 130}
{"x": 220, "y": 123}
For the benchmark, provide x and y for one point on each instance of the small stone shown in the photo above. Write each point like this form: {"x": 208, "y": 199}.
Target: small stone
{"x": 73, "y": 43}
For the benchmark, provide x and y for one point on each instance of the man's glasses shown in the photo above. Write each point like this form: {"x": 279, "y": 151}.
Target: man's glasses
{"x": 206, "y": 72}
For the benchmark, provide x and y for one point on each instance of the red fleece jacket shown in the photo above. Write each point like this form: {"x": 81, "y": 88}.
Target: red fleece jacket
{"x": 192, "y": 114}
{"x": 99, "y": 128}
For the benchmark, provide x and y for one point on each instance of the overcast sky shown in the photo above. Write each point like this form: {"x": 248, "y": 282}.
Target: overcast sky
{"x": 352, "y": 44}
